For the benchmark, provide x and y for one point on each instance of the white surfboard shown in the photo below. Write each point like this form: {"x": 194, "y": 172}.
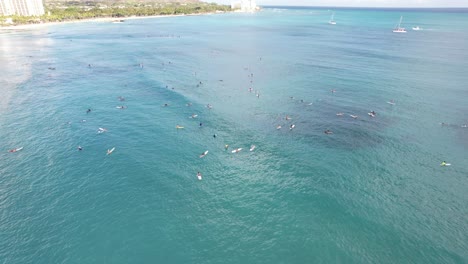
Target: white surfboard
{"x": 204, "y": 154}
{"x": 392, "y": 103}
{"x": 371, "y": 114}
{"x": 199, "y": 176}
{"x": 252, "y": 148}
{"x": 236, "y": 150}
{"x": 109, "y": 151}
{"x": 15, "y": 150}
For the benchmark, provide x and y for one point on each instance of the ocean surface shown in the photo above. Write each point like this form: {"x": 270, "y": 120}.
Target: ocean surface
{"x": 371, "y": 192}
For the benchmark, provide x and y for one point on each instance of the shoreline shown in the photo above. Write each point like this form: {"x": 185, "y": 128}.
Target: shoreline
{"x": 99, "y": 20}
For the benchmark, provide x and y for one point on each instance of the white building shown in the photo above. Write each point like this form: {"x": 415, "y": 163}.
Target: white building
{"x": 21, "y": 7}
{"x": 245, "y": 6}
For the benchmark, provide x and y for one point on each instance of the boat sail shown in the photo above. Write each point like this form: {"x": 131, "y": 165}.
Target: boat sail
{"x": 399, "y": 29}
{"x": 332, "y": 22}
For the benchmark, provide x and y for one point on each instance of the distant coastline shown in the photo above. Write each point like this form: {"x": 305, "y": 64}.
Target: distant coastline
{"x": 57, "y": 13}
{"x": 98, "y": 19}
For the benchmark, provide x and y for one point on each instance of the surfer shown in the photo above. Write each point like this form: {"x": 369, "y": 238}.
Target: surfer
{"x": 16, "y": 149}
{"x": 443, "y": 163}
{"x": 353, "y": 116}
{"x": 339, "y": 114}
{"x": 287, "y": 117}
{"x": 328, "y": 132}
{"x": 292, "y": 126}
{"x": 165, "y": 105}
{"x": 226, "y": 147}
{"x": 203, "y": 154}
{"x": 199, "y": 176}
{"x": 201, "y": 124}
{"x": 80, "y": 148}
{"x": 278, "y": 127}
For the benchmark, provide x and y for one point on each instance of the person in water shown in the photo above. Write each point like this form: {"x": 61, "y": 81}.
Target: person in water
{"x": 80, "y": 148}
{"x": 226, "y": 146}
{"x": 89, "y": 110}
{"x": 201, "y": 124}
{"x": 443, "y": 163}
{"x": 214, "y": 135}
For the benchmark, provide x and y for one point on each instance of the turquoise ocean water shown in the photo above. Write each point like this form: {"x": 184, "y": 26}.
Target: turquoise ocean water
{"x": 371, "y": 192}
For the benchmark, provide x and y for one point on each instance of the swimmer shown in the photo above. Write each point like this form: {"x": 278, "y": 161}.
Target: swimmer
{"x": 209, "y": 106}
{"x": 214, "y": 135}
{"x": 80, "y": 148}
{"x": 226, "y": 147}
{"x": 121, "y": 98}
{"x": 165, "y": 105}
{"x": 188, "y": 104}
{"x": 201, "y": 124}
{"x": 258, "y": 95}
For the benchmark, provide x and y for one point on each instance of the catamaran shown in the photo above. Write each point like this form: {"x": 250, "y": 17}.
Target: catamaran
{"x": 332, "y": 22}
{"x": 399, "y": 29}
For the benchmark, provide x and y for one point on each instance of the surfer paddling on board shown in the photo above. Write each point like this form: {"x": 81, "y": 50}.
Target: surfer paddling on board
{"x": 199, "y": 176}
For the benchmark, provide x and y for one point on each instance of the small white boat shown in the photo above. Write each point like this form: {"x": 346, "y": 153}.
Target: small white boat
{"x": 399, "y": 29}
{"x": 416, "y": 28}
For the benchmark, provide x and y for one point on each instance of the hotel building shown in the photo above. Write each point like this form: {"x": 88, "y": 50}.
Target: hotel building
{"x": 21, "y": 7}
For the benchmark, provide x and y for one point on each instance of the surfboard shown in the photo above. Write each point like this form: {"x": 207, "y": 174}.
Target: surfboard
{"x": 446, "y": 164}
{"x": 179, "y": 127}
{"x": 291, "y": 127}
{"x": 15, "y": 150}
{"x": 109, "y": 151}
{"x": 236, "y": 150}
{"x": 204, "y": 154}
{"x": 252, "y": 148}
{"x": 199, "y": 176}
{"x": 391, "y": 103}
{"x": 371, "y": 114}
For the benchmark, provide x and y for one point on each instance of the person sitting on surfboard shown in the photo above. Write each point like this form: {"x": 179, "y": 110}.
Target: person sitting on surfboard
{"x": 443, "y": 163}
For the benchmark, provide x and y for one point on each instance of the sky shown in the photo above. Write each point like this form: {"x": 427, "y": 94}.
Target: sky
{"x": 361, "y": 3}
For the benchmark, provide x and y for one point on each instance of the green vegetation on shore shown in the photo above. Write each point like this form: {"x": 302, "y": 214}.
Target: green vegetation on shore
{"x": 70, "y": 11}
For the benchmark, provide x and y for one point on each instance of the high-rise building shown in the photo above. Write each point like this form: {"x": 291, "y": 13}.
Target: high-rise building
{"x": 21, "y": 7}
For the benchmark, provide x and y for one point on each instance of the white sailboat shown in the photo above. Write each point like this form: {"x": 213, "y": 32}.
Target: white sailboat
{"x": 332, "y": 22}
{"x": 399, "y": 29}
